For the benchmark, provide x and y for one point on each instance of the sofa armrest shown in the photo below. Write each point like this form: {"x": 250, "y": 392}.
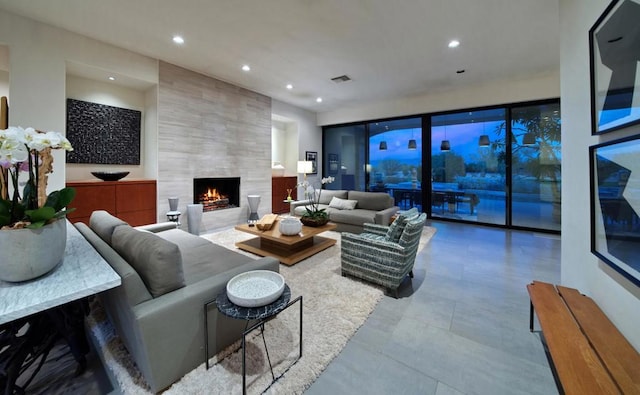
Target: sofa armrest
{"x": 384, "y": 217}
{"x": 298, "y": 203}
{"x": 159, "y": 227}
{"x": 376, "y": 229}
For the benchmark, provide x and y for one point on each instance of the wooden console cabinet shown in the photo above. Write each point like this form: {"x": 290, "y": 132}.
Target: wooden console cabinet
{"x": 279, "y": 186}
{"x": 132, "y": 201}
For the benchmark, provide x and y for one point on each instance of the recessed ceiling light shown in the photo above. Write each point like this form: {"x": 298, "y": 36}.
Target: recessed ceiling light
{"x": 289, "y": 86}
{"x": 178, "y": 39}
{"x": 246, "y": 67}
{"x": 319, "y": 100}
{"x": 454, "y": 43}
{"x": 111, "y": 78}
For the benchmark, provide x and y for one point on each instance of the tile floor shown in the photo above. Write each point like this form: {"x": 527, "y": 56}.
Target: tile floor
{"x": 460, "y": 327}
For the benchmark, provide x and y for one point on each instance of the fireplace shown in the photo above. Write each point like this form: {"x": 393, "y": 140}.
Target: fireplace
{"x": 216, "y": 193}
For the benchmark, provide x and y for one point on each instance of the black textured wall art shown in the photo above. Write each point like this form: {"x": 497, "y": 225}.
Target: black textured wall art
{"x": 103, "y": 134}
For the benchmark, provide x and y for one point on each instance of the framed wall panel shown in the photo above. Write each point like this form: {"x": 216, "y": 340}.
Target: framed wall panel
{"x": 615, "y": 205}
{"x": 102, "y": 134}
{"x": 614, "y": 51}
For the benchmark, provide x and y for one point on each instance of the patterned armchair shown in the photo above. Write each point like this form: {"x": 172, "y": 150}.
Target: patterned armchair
{"x": 384, "y": 255}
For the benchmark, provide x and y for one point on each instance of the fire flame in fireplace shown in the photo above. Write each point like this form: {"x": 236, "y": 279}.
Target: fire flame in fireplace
{"x": 212, "y": 199}
{"x": 212, "y": 194}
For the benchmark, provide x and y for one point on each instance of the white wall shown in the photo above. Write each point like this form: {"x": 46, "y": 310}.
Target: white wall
{"x": 284, "y": 144}
{"x": 309, "y": 134}
{"x": 4, "y": 83}
{"x": 37, "y": 65}
{"x": 545, "y": 86}
{"x": 617, "y": 297}
{"x": 117, "y": 96}
{"x": 4, "y": 71}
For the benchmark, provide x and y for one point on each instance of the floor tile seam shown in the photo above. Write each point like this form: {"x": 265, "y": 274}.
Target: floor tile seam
{"x": 382, "y": 354}
{"x": 507, "y": 353}
{"x": 455, "y": 388}
{"x": 511, "y": 353}
{"x": 407, "y": 366}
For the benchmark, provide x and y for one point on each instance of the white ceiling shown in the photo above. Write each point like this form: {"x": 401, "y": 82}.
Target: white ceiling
{"x": 390, "y": 48}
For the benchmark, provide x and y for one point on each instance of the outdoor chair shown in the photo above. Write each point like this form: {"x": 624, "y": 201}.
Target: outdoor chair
{"x": 383, "y": 258}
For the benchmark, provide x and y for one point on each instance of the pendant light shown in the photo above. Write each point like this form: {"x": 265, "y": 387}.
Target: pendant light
{"x": 445, "y": 145}
{"x": 383, "y": 146}
{"x": 529, "y": 139}
{"x": 484, "y": 138}
{"x": 412, "y": 143}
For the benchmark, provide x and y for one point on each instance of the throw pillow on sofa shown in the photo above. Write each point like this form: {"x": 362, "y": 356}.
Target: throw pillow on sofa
{"x": 157, "y": 261}
{"x": 327, "y": 194}
{"x": 342, "y": 204}
{"x": 397, "y": 227}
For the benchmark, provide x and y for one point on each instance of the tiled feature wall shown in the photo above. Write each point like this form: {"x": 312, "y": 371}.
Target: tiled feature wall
{"x": 209, "y": 128}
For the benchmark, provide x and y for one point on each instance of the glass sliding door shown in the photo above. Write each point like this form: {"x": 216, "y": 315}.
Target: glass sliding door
{"x": 468, "y": 172}
{"x": 395, "y": 160}
{"x": 344, "y": 156}
{"x": 493, "y": 165}
{"x": 536, "y": 176}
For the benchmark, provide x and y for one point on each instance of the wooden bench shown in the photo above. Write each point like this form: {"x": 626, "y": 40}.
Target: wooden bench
{"x": 588, "y": 352}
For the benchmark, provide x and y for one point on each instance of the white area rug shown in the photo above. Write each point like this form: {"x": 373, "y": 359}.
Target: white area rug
{"x": 334, "y": 308}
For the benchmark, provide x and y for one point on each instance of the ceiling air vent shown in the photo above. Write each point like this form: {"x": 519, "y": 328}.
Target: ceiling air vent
{"x": 342, "y": 78}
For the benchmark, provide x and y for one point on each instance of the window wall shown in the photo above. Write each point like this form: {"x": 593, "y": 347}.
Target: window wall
{"x": 536, "y": 163}
{"x": 468, "y": 172}
{"x": 498, "y": 165}
{"x": 395, "y": 160}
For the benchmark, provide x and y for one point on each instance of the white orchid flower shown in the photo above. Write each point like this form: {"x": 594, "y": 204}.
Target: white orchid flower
{"x": 13, "y": 151}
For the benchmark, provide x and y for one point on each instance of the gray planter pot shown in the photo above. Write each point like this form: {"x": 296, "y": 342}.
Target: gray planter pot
{"x": 31, "y": 253}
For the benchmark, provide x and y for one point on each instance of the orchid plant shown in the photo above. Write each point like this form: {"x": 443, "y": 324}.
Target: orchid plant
{"x": 29, "y": 151}
{"x": 312, "y": 208}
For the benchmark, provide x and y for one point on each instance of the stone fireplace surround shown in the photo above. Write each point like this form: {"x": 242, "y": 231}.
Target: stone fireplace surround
{"x": 209, "y": 128}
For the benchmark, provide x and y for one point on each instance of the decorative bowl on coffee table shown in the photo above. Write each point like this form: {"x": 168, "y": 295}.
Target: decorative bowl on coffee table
{"x": 255, "y": 288}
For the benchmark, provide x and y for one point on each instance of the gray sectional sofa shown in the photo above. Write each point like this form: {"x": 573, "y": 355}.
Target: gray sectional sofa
{"x": 167, "y": 276}
{"x": 370, "y": 207}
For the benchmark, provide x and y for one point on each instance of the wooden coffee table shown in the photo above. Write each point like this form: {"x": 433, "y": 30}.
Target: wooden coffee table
{"x": 288, "y": 249}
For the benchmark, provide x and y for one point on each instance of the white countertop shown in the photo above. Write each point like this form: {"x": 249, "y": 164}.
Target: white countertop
{"x": 81, "y": 273}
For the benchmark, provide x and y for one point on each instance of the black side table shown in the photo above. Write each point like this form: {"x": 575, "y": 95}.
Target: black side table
{"x": 262, "y": 314}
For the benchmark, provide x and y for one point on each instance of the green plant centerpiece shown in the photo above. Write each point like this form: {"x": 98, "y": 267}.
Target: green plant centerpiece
{"x": 314, "y": 215}
{"x": 29, "y": 151}
{"x": 32, "y": 240}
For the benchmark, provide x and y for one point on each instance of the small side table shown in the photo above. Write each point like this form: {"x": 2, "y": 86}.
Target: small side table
{"x": 174, "y": 216}
{"x": 262, "y": 314}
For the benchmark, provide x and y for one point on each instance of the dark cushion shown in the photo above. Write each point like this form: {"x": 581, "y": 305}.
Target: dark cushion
{"x": 376, "y": 201}
{"x": 103, "y": 224}
{"x": 157, "y": 261}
